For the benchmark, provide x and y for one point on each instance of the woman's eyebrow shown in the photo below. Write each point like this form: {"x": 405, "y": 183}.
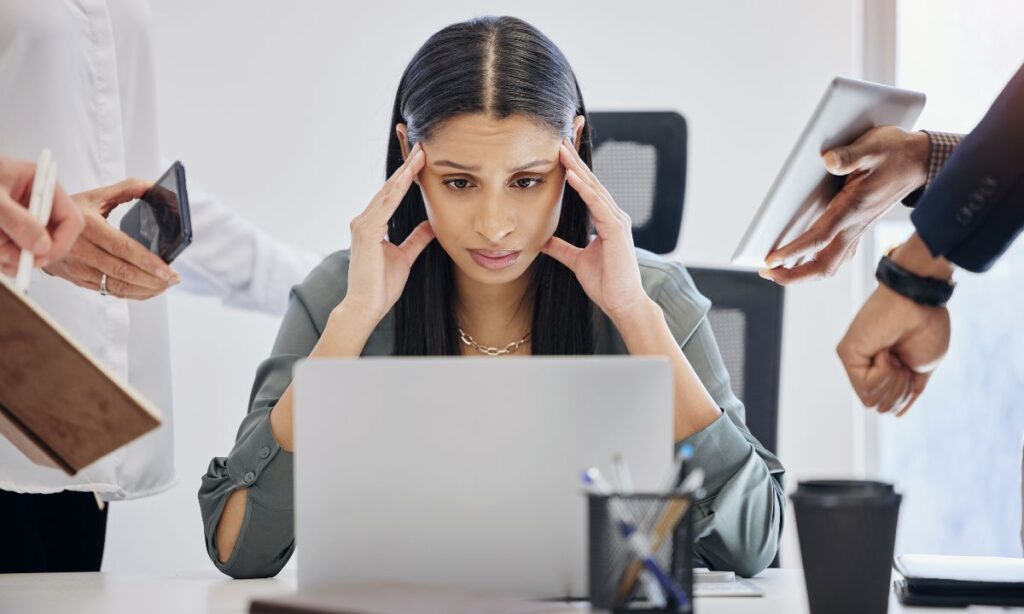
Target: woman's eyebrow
{"x": 455, "y": 165}
{"x": 530, "y": 165}
{"x": 463, "y": 167}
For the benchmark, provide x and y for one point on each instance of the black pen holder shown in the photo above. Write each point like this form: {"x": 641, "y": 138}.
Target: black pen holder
{"x": 666, "y": 522}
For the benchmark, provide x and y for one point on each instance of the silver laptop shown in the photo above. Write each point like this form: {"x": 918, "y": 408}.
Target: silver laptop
{"x": 803, "y": 188}
{"x": 465, "y": 472}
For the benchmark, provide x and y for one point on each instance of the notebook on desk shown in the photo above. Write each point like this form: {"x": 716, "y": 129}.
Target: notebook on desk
{"x": 58, "y": 405}
{"x": 959, "y": 581}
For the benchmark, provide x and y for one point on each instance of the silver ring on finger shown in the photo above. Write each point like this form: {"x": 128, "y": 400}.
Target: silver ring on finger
{"x": 103, "y": 285}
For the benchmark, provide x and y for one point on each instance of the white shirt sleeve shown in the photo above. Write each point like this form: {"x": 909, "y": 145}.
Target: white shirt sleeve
{"x": 232, "y": 259}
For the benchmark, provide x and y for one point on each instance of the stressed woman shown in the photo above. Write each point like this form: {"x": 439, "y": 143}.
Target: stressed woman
{"x": 492, "y": 236}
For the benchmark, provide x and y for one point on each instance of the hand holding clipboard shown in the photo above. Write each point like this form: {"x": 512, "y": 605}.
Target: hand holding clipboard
{"x": 58, "y": 405}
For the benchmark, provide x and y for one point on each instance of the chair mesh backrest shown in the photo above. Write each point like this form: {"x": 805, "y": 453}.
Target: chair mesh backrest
{"x": 640, "y": 157}
{"x": 746, "y": 319}
{"x": 730, "y": 328}
{"x": 628, "y": 170}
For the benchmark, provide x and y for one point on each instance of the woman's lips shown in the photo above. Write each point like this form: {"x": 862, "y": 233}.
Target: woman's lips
{"x": 494, "y": 259}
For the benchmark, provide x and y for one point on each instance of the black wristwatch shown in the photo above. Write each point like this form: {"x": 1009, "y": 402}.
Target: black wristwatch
{"x": 930, "y": 291}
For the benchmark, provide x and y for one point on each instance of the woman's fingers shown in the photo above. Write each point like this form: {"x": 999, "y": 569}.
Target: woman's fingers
{"x": 123, "y": 247}
{"x": 600, "y": 203}
{"x": 104, "y": 199}
{"x": 562, "y": 251}
{"x": 585, "y": 173}
{"x": 118, "y": 269}
{"x": 390, "y": 196}
{"x": 417, "y": 241}
{"x": 599, "y": 210}
{"x": 571, "y": 158}
{"x": 66, "y": 223}
{"x": 21, "y": 226}
{"x": 89, "y": 278}
{"x": 10, "y": 254}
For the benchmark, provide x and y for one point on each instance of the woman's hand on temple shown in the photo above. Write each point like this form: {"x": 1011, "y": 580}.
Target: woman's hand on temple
{"x": 607, "y": 267}
{"x": 379, "y": 269}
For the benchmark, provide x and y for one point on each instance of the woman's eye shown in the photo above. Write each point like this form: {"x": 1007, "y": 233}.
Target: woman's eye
{"x": 526, "y": 183}
{"x": 457, "y": 184}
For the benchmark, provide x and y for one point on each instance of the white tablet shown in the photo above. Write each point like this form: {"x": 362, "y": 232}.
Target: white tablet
{"x": 803, "y": 188}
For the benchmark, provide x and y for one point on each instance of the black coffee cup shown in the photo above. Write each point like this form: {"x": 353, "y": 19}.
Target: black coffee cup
{"x": 847, "y": 531}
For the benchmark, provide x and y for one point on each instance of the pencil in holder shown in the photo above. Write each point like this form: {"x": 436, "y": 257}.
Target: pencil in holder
{"x": 665, "y": 521}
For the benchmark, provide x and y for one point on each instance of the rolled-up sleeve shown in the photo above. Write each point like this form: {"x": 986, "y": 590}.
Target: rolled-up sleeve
{"x": 738, "y": 523}
{"x": 258, "y": 463}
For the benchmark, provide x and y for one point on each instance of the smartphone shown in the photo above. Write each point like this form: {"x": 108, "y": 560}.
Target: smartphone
{"x": 160, "y": 220}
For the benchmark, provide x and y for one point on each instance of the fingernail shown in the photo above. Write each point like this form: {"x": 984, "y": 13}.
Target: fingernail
{"x": 163, "y": 274}
{"x": 764, "y": 274}
{"x": 831, "y": 160}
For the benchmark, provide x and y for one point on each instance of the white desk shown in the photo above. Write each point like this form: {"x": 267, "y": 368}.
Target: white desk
{"x": 213, "y": 593}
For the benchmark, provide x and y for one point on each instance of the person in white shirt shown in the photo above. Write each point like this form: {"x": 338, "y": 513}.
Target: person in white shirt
{"x": 77, "y": 77}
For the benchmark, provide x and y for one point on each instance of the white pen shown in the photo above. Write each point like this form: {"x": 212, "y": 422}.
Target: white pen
{"x": 49, "y": 188}
{"x": 35, "y": 209}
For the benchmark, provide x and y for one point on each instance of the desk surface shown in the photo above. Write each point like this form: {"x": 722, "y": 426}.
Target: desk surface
{"x": 214, "y": 593}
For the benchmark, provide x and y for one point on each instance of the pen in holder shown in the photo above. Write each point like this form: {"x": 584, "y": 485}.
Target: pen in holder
{"x": 616, "y": 572}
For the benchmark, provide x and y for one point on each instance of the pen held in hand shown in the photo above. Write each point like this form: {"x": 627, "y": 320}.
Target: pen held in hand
{"x": 39, "y": 207}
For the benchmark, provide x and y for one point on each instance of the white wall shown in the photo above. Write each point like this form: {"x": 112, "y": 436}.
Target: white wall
{"x": 283, "y": 108}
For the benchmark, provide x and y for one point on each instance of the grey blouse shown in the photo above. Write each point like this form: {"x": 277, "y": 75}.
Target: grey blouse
{"x": 737, "y": 524}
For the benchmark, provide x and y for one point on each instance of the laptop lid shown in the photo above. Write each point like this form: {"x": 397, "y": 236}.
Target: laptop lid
{"x": 465, "y": 472}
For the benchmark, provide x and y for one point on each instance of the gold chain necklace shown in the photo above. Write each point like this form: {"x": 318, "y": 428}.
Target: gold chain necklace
{"x": 491, "y": 351}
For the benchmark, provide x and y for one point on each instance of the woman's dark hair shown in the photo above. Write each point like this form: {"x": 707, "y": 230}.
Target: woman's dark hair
{"x": 500, "y": 66}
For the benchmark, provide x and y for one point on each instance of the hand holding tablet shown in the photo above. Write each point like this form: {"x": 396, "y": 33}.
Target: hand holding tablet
{"x": 804, "y": 191}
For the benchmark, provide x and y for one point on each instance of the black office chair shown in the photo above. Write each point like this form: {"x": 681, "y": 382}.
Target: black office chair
{"x": 641, "y": 158}
{"x": 746, "y": 317}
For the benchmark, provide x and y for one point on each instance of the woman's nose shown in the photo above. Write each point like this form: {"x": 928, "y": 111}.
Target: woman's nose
{"x": 495, "y": 221}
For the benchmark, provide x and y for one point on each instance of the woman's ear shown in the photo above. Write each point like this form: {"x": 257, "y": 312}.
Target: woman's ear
{"x": 577, "y": 130}
{"x": 402, "y": 132}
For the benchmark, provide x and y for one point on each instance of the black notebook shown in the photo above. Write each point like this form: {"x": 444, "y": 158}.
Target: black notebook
{"x": 959, "y": 581}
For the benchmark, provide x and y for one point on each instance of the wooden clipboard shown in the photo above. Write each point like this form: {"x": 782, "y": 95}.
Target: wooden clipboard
{"x": 58, "y": 405}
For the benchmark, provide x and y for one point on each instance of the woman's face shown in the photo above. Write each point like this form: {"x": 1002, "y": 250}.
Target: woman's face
{"x": 493, "y": 192}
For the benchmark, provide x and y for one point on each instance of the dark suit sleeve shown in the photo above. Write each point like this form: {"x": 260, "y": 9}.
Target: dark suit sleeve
{"x": 975, "y": 208}
{"x": 941, "y": 146}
